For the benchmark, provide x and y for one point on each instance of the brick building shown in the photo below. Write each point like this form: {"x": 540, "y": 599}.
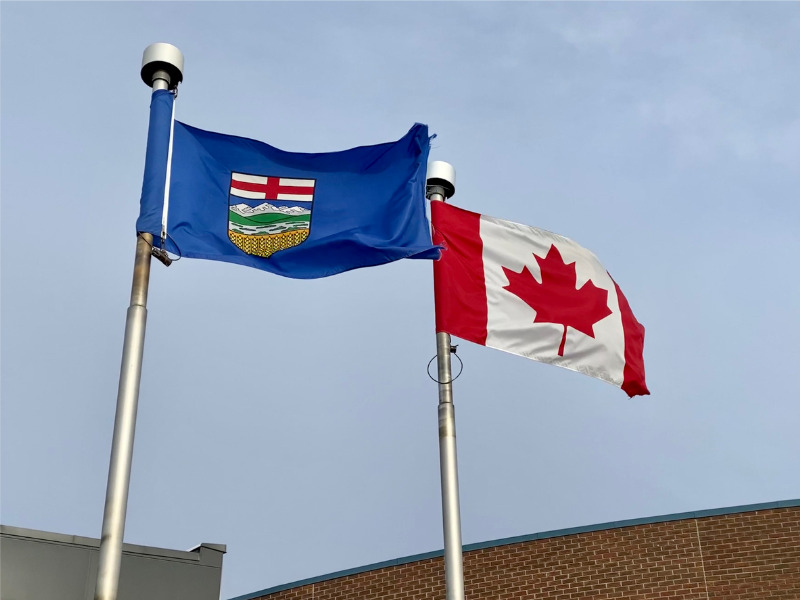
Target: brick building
{"x": 741, "y": 553}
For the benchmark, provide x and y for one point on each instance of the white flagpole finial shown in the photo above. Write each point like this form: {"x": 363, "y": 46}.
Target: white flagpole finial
{"x": 162, "y": 61}
{"x": 443, "y": 175}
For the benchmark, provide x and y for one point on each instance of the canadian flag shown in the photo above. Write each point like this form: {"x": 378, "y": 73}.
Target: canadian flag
{"x": 536, "y": 294}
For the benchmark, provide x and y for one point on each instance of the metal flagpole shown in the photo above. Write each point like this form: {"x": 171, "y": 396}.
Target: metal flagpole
{"x": 162, "y": 68}
{"x": 440, "y": 186}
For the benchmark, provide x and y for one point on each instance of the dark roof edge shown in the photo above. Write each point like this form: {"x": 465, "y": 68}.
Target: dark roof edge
{"x": 50, "y": 537}
{"x": 698, "y": 514}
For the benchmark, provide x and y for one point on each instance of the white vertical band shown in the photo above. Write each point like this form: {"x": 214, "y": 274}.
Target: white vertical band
{"x": 165, "y": 211}
{"x": 511, "y": 322}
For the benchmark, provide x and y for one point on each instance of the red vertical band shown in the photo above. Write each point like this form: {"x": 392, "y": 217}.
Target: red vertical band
{"x": 633, "y": 382}
{"x": 458, "y": 280}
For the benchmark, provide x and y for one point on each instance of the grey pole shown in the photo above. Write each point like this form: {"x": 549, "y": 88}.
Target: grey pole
{"x": 162, "y": 67}
{"x": 440, "y": 186}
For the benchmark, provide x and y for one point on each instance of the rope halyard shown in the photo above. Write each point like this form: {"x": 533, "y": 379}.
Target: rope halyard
{"x": 167, "y": 179}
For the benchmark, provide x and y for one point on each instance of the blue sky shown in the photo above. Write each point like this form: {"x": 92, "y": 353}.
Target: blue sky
{"x": 293, "y": 420}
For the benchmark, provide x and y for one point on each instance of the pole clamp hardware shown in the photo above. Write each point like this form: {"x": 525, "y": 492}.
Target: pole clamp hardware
{"x": 161, "y": 255}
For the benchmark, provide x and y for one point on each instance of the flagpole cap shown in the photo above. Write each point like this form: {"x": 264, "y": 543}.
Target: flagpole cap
{"x": 442, "y": 174}
{"x": 162, "y": 57}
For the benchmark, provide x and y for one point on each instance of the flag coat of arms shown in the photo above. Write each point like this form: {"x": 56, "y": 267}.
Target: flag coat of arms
{"x": 299, "y": 215}
{"x": 535, "y": 294}
{"x": 269, "y": 214}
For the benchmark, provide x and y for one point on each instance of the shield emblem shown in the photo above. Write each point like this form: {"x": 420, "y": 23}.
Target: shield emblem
{"x": 268, "y": 214}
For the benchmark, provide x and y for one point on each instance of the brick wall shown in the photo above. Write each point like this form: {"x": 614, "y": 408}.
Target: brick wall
{"x": 753, "y": 554}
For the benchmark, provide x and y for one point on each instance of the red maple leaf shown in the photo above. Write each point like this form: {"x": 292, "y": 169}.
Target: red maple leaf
{"x": 556, "y": 299}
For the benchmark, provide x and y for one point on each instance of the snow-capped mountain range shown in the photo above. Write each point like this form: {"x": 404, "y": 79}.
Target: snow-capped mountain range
{"x": 249, "y": 211}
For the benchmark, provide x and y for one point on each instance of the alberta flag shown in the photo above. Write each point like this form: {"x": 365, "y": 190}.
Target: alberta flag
{"x": 299, "y": 215}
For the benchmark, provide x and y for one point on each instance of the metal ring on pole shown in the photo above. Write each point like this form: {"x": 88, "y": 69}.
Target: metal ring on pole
{"x": 460, "y": 362}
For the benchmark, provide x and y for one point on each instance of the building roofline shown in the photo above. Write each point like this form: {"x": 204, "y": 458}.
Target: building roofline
{"x": 49, "y": 537}
{"x": 698, "y": 514}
